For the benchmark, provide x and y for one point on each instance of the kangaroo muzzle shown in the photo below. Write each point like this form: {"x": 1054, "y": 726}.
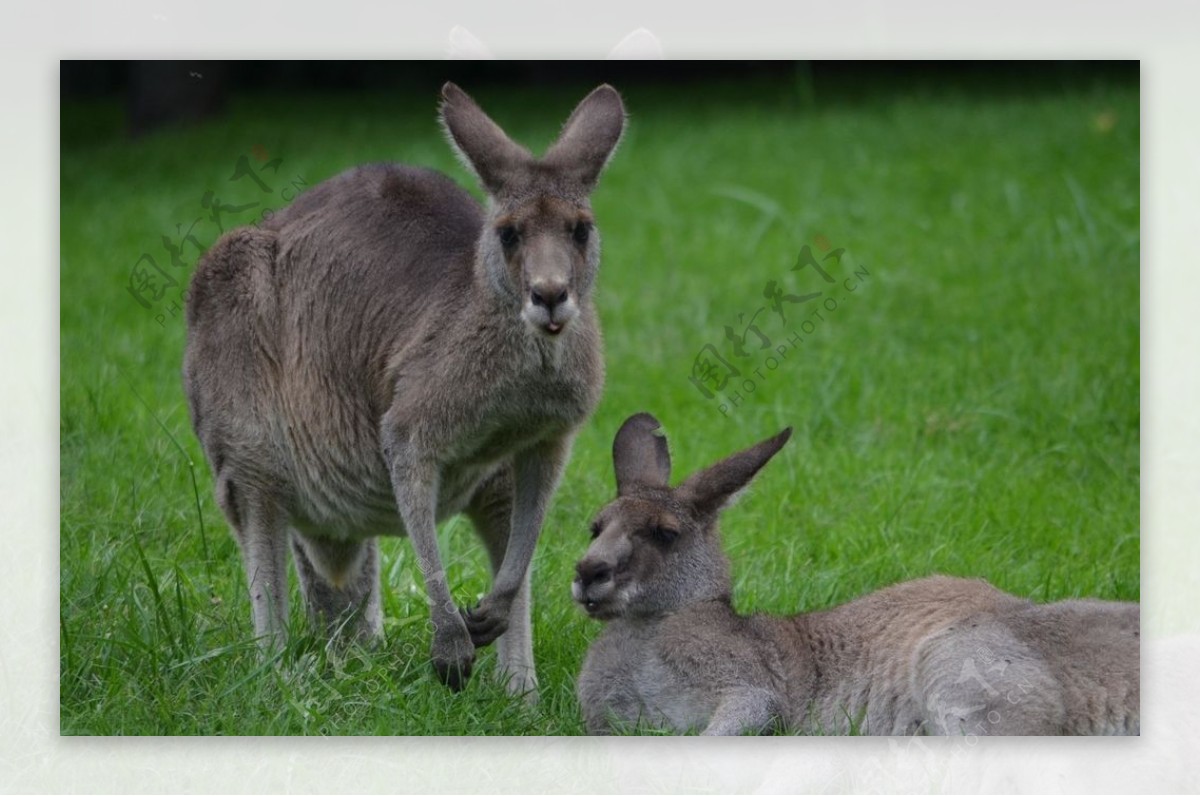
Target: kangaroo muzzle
{"x": 549, "y": 307}
{"x": 593, "y": 583}
{"x": 595, "y": 586}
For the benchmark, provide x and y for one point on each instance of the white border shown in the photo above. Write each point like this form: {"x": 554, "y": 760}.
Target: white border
{"x": 34, "y": 758}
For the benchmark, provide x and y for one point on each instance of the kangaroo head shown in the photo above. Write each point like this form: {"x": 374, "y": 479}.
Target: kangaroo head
{"x": 655, "y": 548}
{"x": 539, "y": 248}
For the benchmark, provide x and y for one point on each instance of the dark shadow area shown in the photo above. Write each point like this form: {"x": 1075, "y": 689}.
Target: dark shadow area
{"x": 154, "y": 94}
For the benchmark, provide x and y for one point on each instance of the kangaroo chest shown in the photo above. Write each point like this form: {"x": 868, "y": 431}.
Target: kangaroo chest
{"x": 627, "y": 675}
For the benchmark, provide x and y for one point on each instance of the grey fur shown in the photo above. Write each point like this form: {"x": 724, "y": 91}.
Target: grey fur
{"x": 940, "y": 655}
{"x": 375, "y": 359}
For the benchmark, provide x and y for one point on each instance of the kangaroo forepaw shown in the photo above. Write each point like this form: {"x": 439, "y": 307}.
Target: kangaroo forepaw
{"x": 486, "y": 622}
{"x": 453, "y": 655}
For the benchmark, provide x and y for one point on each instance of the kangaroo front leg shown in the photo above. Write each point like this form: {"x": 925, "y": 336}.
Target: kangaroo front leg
{"x": 536, "y": 473}
{"x": 415, "y": 481}
{"x": 742, "y": 710}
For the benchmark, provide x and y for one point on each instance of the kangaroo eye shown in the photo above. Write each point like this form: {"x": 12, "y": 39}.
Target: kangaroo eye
{"x": 663, "y": 535}
{"x": 581, "y": 231}
{"x": 508, "y": 236}
{"x": 596, "y": 528}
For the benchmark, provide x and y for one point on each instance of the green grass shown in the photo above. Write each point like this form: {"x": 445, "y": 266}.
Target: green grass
{"x": 971, "y": 409}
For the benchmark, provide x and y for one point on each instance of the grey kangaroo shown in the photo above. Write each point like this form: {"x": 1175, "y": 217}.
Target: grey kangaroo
{"x": 386, "y": 353}
{"x": 940, "y": 655}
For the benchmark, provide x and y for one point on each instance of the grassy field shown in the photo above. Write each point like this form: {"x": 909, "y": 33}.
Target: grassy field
{"x": 971, "y": 407}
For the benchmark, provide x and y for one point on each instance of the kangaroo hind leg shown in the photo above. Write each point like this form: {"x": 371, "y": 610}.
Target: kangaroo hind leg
{"x": 977, "y": 678}
{"x": 260, "y": 531}
{"x": 340, "y": 583}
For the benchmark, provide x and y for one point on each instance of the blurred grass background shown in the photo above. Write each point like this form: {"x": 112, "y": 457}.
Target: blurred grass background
{"x": 971, "y": 408}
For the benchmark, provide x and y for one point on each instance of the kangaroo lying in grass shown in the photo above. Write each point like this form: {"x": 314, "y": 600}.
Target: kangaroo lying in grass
{"x": 939, "y": 656}
{"x": 386, "y": 353}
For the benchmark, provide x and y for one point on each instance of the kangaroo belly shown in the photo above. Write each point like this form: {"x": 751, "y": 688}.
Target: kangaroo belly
{"x": 341, "y": 487}
{"x": 342, "y": 493}
{"x": 347, "y": 499}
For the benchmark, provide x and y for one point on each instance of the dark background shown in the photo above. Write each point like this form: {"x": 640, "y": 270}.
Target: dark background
{"x": 158, "y": 93}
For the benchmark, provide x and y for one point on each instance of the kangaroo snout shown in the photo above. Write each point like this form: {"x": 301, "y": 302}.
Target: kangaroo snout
{"x": 548, "y": 296}
{"x": 550, "y": 306}
{"x": 593, "y": 582}
{"x": 593, "y": 572}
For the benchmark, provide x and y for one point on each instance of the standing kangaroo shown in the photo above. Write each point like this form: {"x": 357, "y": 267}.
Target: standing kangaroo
{"x": 384, "y": 354}
{"x": 940, "y": 655}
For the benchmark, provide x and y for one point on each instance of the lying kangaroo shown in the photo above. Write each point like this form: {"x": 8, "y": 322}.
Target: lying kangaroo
{"x": 384, "y": 354}
{"x": 940, "y": 655}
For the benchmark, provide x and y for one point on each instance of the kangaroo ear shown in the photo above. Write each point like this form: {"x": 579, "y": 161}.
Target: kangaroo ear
{"x": 479, "y": 142}
{"x": 714, "y": 487}
{"x": 589, "y": 137}
{"x": 640, "y": 455}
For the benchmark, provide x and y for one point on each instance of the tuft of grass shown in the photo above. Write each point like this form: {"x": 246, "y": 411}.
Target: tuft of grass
{"x": 971, "y": 408}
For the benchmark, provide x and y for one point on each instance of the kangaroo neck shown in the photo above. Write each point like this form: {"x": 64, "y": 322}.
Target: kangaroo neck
{"x": 705, "y": 605}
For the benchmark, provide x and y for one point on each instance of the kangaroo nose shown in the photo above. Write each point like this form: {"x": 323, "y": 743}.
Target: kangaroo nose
{"x": 548, "y": 295}
{"x": 593, "y": 572}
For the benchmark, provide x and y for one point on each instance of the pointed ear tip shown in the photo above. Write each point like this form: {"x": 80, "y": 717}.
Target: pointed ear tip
{"x": 644, "y": 420}
{"x": 607, "y": 91}
{"x": 641, "y": 454}
{"x": 642, "y": 416}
